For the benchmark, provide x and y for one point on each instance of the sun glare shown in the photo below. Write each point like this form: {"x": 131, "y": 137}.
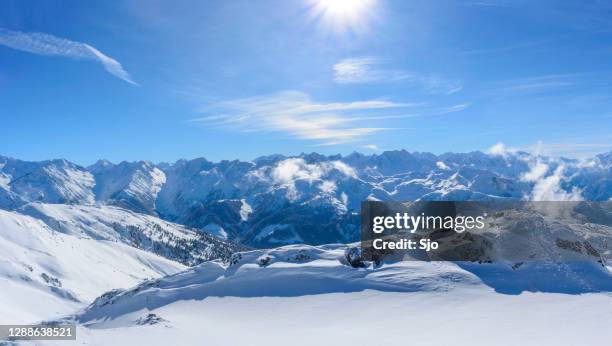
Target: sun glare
{"x": 343, "y": 15}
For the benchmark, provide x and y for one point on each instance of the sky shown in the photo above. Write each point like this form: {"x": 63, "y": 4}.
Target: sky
{"x": 164, "y": 80}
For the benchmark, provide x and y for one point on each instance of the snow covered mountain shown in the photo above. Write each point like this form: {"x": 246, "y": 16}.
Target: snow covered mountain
{"x": 311, "y": 198}
{"x": 132, "y": 185}
{"x": 54, "y": 258}
{"x": 45, "y": 273}
{"x": 54, "y": 181}
{"x": 109, "y": 223}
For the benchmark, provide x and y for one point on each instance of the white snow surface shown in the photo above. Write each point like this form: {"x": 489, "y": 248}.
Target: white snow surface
{"x": 304, "y": 295}
{"x": 216, "y": 230}
{"x": 468, "y": 317}
{"x": 45, "y": 274}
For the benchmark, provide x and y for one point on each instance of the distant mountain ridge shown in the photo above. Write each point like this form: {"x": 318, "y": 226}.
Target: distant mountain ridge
{"x": 309, "y": 198}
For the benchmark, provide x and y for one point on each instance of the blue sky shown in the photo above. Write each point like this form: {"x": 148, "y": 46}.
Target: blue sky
{"x": 161, "y": 80}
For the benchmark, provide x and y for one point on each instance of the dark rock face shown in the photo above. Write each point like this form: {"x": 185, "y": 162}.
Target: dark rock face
{"x": 353, "y": 257}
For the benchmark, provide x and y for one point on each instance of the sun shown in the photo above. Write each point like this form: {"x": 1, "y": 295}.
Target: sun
{"x": 343, "y": 15}
{"x": 343, "y": 7}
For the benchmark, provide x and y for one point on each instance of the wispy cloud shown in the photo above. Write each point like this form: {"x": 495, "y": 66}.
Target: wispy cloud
{"x": 367, "y": 70}
{"x": 452, "y": 109}
{"x": 296, "y": 114}
{"x": 45, "y": 44}
{"x": 530, "y": 45}
{"x": 500, "y": 149}
{"x": 372, "y": 147}
{"x": 538, "y": 84}
{"x": 489, "y": 3}
{"x": 571, "y": 149}
{"x": 548, "y": 187}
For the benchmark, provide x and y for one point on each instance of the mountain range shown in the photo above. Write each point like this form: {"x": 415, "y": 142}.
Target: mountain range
{"x": 310, "y": 198}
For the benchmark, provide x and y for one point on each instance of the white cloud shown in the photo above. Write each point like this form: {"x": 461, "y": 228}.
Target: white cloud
{"x": 372, "y": 70}
{"x": 500, "y": 149}
{"x": 372, "y": 147}
{"x": 45, "y": 44}
{"x": 296, "y": 114}
{"x": 572, "y": 149}
{"x": 442, "y": 165}
{"x": 548, "y": 188}
{"x": 537, "y": 172}
{"x": 112, "y": 66}
{"x": 452, "y": 109}
{"x": 567, "y": 149}
{"x": 438, "y": 84}
{"x": 535, "y": 85}
{"x": 364, "y": 70}
{"x": 288, "y": 171}
{"x": 328, "y": 186}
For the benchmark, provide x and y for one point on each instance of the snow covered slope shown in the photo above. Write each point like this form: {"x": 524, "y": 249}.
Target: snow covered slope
{"x": 142, "y": 231}
{"x": 302, "y": 295}
{"x": 45, "y": 273}
{"x": 466, "y": 318}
